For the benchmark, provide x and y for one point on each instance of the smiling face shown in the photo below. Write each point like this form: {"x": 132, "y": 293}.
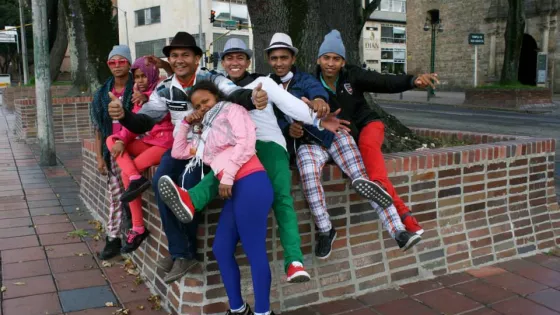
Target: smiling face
{"x": 281, "y": 60}
{"x": 235, "y": 64}
{"x": 203, "y": 100}
{"x": 119, "y": 66}
{"x": 331, "y": 64}
{"x": 184, "y": 62}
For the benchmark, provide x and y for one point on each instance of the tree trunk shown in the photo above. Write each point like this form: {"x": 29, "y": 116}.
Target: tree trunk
{"x": 514, "y": 39}
{"x": 301, "y": 19}
{"x": 80, "y": 70}
{"x": 52, "y": 15}
{"x": 45, "y": 132}
{"x": 60, "y": 44}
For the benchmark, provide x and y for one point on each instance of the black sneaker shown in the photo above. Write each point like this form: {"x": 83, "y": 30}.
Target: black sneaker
{"x": 324, "y": 244}
{"x": 133, "y": 240}
{"x": 406, "y": 240}
{"x": 372, "y": 191}
{"x": 135, "y": 189}
{"x": 112, "y": 248}
{"x": 247, "y": 311}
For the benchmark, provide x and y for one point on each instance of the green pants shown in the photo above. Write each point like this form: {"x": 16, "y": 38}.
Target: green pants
{"x": 276, "y": 163}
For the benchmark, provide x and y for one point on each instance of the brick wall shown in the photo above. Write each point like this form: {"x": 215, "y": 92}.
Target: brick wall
{"x": 70, "y": 117}
{"x": 11, "y": 94}
{"x": 509, "y": 99}
{"x": 479, "y": 204}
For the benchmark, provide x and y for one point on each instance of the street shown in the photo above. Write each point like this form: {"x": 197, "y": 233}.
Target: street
{"x": 487, "y": 121}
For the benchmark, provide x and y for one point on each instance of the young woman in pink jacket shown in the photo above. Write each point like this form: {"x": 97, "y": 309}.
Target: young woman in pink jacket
{"x": 224, "y": 138}
{"x": 147, "y": 150}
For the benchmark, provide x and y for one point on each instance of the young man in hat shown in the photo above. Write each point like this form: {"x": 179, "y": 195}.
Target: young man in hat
{"x": 271, "y": 151}
{"x": 346, "y": 85}
{"x": 171, "y": 96}
{"x": 314, "y": 148}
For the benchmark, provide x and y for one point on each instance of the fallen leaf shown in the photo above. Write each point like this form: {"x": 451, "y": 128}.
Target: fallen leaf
{"x": 106, "y": 264}
{"x": 109, "y": 304}
{"x": 133, "y": 272}
{"x": 81, "y": 254}
{"x": 19, "y": 283}
{"x": 3, "y": 289}
{"x": 140, "y": 307}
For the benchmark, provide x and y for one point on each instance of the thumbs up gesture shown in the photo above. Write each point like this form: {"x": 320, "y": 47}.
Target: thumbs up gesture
{"x": 138, "y": 97}
{"x": 115, "y": 107}
{"x": 259, "y": 97}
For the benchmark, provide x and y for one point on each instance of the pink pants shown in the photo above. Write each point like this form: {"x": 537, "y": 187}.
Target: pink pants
{"x": 146, "y": 155}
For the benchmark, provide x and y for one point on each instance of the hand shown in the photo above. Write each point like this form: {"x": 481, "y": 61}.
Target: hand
{"x": 296, "y": 130}
{"x": 117, "y": 149}
{"x": 138, "y": 97}
{"x": 318, "y": 105}
{"x": 116, "y": 110}
{"x": 426, "y": 80}
{"x": 225, "y": 191}
{"x": 158, "y": 62}
{"x": 260, "y": 97}
{"x": 101, "y": 167}
{"x": 195, "y": 116}
{"x": 333, "y": 124}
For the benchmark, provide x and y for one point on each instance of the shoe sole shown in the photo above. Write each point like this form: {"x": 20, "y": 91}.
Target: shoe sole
{"x": 166, "y": 270}
{"x": 177, "y": 277}
{"x": 413, "y": 240}
{"x": 419, "y": 232}
{"x": 134, "y": 194}
{"x": 329, "y": 253}
{"x": 144, "y": 237}
{"x": 170, "y": 196}
{"x": 372, "y": 191}
{"x": 299, "y": 277}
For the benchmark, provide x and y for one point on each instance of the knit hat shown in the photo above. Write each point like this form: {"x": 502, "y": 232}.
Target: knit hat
{"x": 121, "y": 50}
{"x": 332, "y": 44}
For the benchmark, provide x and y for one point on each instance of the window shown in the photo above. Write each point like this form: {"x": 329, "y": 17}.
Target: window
{"x": 234, "y": 10}
{"x": 393, "y": 61}
{"x": 387, "y": 53}
{"x": 393, "y": 6}
{"x": 148, "y": 16}
{"x": 393, "y": 34}
{"x": 152, "y": 47}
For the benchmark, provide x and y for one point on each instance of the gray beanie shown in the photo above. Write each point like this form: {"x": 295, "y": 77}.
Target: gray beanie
{"x": 332, "y": 44}
{"x": 121, "y": 50}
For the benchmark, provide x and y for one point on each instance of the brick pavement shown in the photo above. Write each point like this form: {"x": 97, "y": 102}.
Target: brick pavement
{"x": 44, "y": 269}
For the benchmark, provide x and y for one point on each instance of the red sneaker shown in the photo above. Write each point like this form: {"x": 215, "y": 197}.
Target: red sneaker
{"x": 176, "y": 198}
{"x": 296, "y": 273}
{"x": 412, "y": 224}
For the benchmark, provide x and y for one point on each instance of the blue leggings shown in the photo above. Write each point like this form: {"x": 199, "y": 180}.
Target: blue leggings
{"x": 244, "y": 217}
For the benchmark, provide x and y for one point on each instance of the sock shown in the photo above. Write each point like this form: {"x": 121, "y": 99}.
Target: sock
{"x": 111, "y": 238}
{"x": 267, "y": 313}
{"x": 139, "y": 229}
{"x": 135, "y": 177}
{"x": 239, "y": 310}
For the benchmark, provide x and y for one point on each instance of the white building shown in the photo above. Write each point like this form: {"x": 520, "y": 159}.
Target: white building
{"x": 151, "y": 24}
{"x": 384, "y": 38}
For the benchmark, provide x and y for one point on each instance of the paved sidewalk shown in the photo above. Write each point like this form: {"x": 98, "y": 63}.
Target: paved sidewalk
{"x": 420, "y": 97}
{"x": 44, "y": 269}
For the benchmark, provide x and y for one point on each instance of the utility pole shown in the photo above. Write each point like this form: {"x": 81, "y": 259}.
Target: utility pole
{"x": 42, "y": 83}
{"x": 23, "y": 42}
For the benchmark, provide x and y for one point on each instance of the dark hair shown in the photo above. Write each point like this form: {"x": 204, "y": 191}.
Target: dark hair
{"x": 286, "y": 48}
{"x": 210, "y": 87}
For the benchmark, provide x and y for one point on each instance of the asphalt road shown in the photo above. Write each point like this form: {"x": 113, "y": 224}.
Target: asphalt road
{"x": 486, "y": 121}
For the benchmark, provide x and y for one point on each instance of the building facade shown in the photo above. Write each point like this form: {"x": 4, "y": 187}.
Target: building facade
{"x": 151, "y": 24}
{"x": 454, "y": 57}
{"x": 384, "y": 40}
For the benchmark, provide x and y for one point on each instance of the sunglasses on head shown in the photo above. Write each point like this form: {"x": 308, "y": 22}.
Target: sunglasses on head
{"x": 117, "y": 63}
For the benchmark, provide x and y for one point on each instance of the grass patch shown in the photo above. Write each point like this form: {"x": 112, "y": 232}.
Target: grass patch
{"x": 78, "y": 233}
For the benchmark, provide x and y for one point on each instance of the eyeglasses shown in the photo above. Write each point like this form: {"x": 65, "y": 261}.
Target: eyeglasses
{"x": 117, "y": 63}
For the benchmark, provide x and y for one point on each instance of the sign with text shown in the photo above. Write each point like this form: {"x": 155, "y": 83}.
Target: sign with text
{"x": 542, "y": 67}
{"x": 476, "y": 39}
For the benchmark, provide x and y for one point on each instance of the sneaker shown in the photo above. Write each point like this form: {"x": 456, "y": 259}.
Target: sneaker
{"x": 412, "y": 224}
{"x": 176, "y": 198}
{"x": 406, "y": 240}
{"x": 247, "y": 311}
{"x": 165, "y": 263}
{"x": 324, "y": 244}
{"x": 135, "y": 189}
{"x": 296, "y": 273}
{"x": 372, "y": 191}
{"x": 180, "y": 268}
{"x": 133, "y": 240}
{"x": 112, "y": 248}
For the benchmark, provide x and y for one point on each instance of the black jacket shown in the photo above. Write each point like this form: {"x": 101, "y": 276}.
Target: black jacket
{"x": 353, "y": 82}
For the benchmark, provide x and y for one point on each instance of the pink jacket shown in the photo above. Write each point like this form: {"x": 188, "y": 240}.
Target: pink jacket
{"x": 230, "y": 145}
{"x": 161, "y": 134}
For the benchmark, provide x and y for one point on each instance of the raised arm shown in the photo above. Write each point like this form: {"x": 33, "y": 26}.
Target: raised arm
{"x": 150, "y": 114}
{"x": 375, "y": 82}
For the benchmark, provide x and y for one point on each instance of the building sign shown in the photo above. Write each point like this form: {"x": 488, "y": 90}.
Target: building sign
{"x": 476, "y": 39}
{"x": 542, "y": 67}
{"x": 371, "y": 43}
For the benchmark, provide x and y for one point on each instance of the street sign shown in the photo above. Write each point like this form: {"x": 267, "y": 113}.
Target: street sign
{"x": 8, "y": 36}
{"x": 231, "y": 25}
{"x": 476, "y": 39}
{"x": 542, "y": 68}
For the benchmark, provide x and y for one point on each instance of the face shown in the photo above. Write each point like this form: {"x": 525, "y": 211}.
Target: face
{"x": 203, "y": 101}
{"x": 183, "y": 61}
{"x": 141, "y": 80}
{"x": 119, "y": 66}
{"x": 281, "y": 60}
{"x": 235, "y": 64}
{"x": 331, "y": 64}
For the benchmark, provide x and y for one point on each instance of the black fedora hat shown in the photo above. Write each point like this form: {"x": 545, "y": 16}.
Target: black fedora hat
{"x": 182, "y": 40}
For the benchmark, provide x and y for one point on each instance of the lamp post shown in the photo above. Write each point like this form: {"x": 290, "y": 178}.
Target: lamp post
{"x": 433, "y": 23}
{"x": 125, "y": 24}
